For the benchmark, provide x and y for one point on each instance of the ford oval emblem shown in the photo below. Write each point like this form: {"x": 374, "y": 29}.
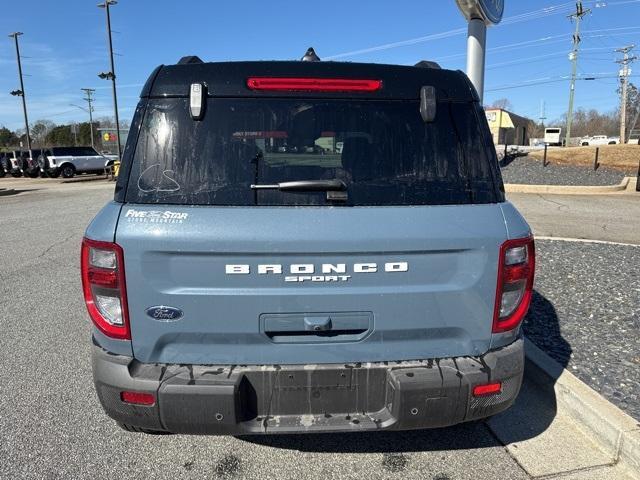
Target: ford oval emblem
{"x": 162, "y": 313}
{"x": 491, "y": 11}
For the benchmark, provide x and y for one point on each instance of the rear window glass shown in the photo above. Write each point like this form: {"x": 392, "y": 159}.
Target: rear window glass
{"x": 381, "y": 150}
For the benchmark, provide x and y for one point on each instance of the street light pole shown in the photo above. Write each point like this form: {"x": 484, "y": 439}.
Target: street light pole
{"x": 479, "y": 14}
{"x": 112, "y": 74}
{"x": 21, "y": 93}
{"x": 89, "y": 92}
{"x": 476, "y": 47}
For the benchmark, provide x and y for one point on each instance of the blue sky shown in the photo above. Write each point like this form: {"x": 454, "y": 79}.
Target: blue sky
{"x": 64, "y": 45}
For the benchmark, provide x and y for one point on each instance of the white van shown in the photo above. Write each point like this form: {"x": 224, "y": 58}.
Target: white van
{"x": 553, "y": 136}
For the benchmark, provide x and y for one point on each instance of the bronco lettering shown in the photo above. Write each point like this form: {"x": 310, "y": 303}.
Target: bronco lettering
{"x": 305, "y": 272}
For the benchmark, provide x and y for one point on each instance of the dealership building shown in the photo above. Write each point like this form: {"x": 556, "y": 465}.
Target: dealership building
{"x": 507, "y": 127}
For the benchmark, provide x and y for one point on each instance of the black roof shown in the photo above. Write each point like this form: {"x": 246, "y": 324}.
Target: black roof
{"x": 228, "y": 79}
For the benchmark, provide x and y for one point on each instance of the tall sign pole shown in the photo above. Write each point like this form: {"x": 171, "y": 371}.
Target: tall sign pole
{"x": 111, "y": 75}
{"x": 20, "y": 92}
{"x": 479, "y": 14}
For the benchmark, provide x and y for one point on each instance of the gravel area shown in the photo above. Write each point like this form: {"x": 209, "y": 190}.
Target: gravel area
{"x": 525, "y": 170}
{"x": 586, "y": 315}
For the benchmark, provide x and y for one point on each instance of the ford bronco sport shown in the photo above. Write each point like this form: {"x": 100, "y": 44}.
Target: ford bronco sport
{"x": 304, "y": 247}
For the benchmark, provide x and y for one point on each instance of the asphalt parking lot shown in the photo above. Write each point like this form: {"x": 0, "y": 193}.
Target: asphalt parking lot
{"x": 51, "y": 425}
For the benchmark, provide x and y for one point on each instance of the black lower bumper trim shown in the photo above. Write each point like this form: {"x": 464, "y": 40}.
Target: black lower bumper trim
{"x": 227, "y": 399}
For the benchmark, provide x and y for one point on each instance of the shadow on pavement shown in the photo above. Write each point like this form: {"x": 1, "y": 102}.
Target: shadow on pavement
{"x": 10, "y": 192}
{"x": 507, "y": 159}
{"x": 531, "y": 415}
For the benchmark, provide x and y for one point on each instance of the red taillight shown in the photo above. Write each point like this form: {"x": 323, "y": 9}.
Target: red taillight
{"x": 313, "y": 84}
{"x": 103, "y": 284}
{"x": 488, "y": 389}
{"x": 516, "y": 267}
{"x": 138, "y": 398}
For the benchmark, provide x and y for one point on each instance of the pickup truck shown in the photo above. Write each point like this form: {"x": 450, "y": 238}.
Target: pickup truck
{"x": 599, "y": 140}
{"x": 307, "y": 246}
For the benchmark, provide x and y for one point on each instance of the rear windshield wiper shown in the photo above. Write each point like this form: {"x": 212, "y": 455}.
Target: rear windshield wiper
{"x": 336, "y": 189}
{"x": 305, "y": 186}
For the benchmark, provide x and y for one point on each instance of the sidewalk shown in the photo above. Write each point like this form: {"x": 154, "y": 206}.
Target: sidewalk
{"x": 545, "y": 434}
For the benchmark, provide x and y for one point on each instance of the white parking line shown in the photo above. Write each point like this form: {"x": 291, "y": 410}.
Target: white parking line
{"x": 586, "y": 240}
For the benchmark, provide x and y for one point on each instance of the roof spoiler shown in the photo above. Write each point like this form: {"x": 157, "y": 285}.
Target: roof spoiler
{"x": 428, "y": 64}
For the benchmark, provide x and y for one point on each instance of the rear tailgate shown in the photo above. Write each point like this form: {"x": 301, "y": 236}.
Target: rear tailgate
{"x": 417, "y": 282}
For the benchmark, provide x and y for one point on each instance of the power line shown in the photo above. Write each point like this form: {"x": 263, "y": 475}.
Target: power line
{"x": 547, "y": 40}
{"x": 562, "y": 8}
{"x": 546, "y": 80}
{"x": 533, "y": 15}
{"x": 543, "y": 57}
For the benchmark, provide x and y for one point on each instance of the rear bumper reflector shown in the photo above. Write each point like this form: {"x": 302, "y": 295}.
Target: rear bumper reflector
{"x": 198, "y": 399}
{"x": 138, "y": 398}
{"x": 487, "y": 389}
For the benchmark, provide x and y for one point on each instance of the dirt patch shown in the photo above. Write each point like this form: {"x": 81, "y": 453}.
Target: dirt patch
{"x": 621, "y": 157}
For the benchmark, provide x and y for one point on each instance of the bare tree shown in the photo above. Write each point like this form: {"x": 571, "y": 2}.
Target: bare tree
{"x": 502, "y": 103}
{"x": 40, "y": 129}
{"x": 591, "y": 122}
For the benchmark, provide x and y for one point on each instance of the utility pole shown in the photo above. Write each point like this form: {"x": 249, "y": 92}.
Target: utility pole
{"x": 625, "y": 71}
{"x": 111, "y": 75}
{"x": 542, "y": 116}
{"x": 20, "y": 93}
{"x": 573, "y": 56}
{"x": 89, "y": 100}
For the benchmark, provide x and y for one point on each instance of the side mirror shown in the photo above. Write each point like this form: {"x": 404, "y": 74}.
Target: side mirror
{"x": 428, "y": 104}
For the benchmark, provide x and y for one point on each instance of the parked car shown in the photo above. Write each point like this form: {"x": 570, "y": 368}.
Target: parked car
{"x": 4, "y": 164}
{"x": 29, "y": 163}
{"x": 384, "y": 289}
{"x": 599, "y": 140}
{"x": 68, "y": 161}
{"x": 20, "y": 162}
{"x": 14, "y": 161}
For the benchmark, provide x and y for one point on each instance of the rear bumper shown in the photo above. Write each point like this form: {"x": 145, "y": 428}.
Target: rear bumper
{"x": 225, "y": 399}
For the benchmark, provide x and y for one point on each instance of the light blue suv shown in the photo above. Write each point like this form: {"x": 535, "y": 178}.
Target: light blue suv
{"x": 306, "y": 247}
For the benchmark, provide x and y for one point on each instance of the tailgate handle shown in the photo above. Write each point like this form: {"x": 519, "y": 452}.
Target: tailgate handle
{"x": 317, "y": 324}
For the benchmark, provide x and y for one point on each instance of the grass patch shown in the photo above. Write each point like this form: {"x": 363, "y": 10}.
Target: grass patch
{"x": 621, "y": 157}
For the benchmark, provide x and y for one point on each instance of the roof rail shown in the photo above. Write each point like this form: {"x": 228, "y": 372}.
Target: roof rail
{"x": 427, "y": 64}
{"x": 189, "y": 59}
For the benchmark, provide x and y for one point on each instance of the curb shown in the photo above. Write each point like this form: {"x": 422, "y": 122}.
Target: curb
{"x": 567, "y": 189}
{"x": 614, "y": 430}
{"x": 5, "y": 191}
{"x": 85, "y": 179}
